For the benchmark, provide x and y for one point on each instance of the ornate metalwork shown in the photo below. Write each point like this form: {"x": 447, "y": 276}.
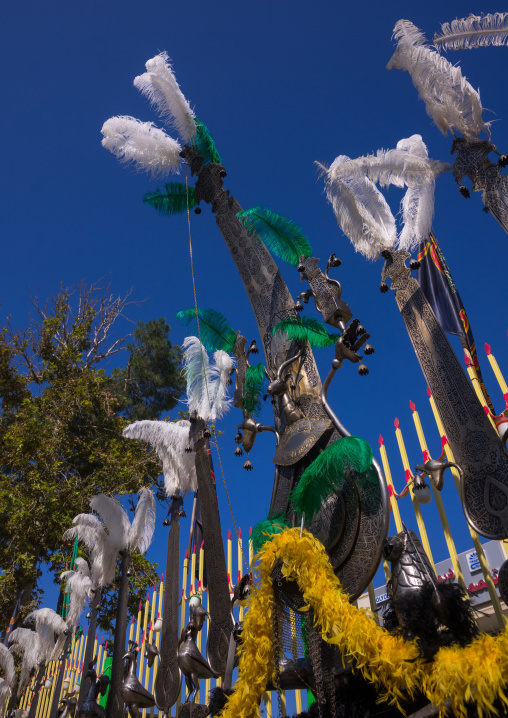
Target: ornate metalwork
{"x": 473, "y": 161}
{"x": 192, "y": 664}
{"x": 133, "y": 694}
{"x": 435, "y": 469}
{"x": 68, "y": 706}
{"x": 476, "y": 446}
{"x": 326, "y": 292}
{"x": 219, "y": 605}
{"x": 115, "y": 704}
{"x": 168, "y": 680}
{"x": 298, "y": 439}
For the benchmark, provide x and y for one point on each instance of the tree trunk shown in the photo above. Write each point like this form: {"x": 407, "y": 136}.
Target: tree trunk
{"x": 115, "y": 705}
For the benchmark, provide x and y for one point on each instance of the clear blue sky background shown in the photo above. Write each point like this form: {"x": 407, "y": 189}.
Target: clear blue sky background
{"x": 280, "y": 85}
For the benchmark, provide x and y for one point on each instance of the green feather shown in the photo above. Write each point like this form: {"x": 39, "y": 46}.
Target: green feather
{"x": 264, "y": 530}
{"x": 281, "y": 236}
{"x": 326, "y": 474}
{"x": 173, "y": 200}
{"x": 306, "y": 329}
{"x": 255, "y": 381}
{"x": 214, "y": 329}
{"x": 205, "y": 145}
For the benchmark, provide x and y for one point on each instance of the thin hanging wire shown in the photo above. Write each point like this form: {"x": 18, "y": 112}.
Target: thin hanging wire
{"x": 204, "y": 372}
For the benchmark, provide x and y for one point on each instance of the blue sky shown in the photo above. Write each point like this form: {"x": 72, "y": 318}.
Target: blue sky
{"x": 279, "y": 85}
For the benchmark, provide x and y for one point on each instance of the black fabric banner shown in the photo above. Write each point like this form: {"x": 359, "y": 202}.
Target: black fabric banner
{"x": 437, "y": 284}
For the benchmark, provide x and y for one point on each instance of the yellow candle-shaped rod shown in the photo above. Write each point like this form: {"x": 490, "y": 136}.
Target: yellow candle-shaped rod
{"x": 439, "y": 501}
{"x": 251, "y": 549}
{"x": 497, "y": 371}
{"x": 131, "y": 631}
{"x": 192, "y": 579}
{"x": 471, "y": 372}
{"x": 184, "y": 589}
{"x": 230, "y": 560}
{"x": 99, "y": 658}
{"x": 138, "y": 622}
{"x": 476, "y": 539}
{"x": 389, "y": 481}
{"x": 419, "y": 519}
{"x": 104, "y": 656}
{"x": 240, "y": 567}
{"x": 150, "y": 638}
{"x": 267, "y": 697}
{"x": 141, "y": 662}
{"x": 158, "y": 634}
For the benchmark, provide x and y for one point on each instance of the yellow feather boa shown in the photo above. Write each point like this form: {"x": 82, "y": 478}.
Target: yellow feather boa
{"x": 478, "y": 672}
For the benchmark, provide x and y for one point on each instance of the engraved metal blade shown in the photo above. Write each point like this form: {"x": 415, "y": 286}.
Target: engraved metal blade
{"x": 168, "y": 680}
{"x": 219, "y": 603}
{"x": 476, "y": 445}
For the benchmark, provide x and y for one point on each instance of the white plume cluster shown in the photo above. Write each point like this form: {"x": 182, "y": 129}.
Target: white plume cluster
{"x": 49, "y": 624}
{"x": 207, "y": 384}
{"x": 361, "y": 210}
{"x": 473, "y": 31}
{"x": 28, "y": 642}
{"x": 142, "y": 144}
{"x": 158, "y": 84}
{"x": 7, "y": 666}
{"x": 106, "y": 536}
{"x": 142, "y": 529}
{"x": 5, "y": 694}
{"x": 169, "y": 441}
{"x": 449, "y": 98}
{"x": 78, "y": 585}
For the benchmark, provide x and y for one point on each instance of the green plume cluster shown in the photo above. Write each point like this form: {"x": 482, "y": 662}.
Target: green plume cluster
{"x": 264, "y": 530}
{"x": 326, "y": 474}
{"x": 173, "y": 200}
{"x": 281, "y": 236}
{"x": 214, "y": 329}
{"x": 306, "y": 329}
{"x": 255, "y": 381}
{"x": 204, "y": 144}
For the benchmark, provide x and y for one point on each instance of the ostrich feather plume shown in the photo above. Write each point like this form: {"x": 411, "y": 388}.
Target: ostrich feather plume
{"x": 169, "y": 441}
{"x": 473, "y": 31}
{"x": 220, "y": 374}
{"x": 142, "y": 144}
{"x": 103, "y": 545}
{"x": 48, "y": 624}
{"x": 7, "y": 665}
{"x": 198, "y": 376}
{"x": 143, "y": 524}
{"x": 407, "y": 164}
{"x": 78, "y": 585}
{"x": 158, "y": 84}
{"x": 361, "y": 211}
{"x": 214, "y": 329}
{"x": 27, "y": 641}
{"x": 5, "y": 693}
{"x": 449, "y": 98}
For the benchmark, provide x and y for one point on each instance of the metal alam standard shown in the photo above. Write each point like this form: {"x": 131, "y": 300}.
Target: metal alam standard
{"x": 327, "y": 525}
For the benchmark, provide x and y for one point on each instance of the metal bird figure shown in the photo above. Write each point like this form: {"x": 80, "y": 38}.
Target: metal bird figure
{"x": 151, "y": 653}
{"x": 192, "y": 664}
{"x": 90, "y": 708}
{"x": 133, "y": 694}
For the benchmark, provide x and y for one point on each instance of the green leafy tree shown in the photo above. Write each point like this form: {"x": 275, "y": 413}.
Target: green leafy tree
{"x": 61, "y": 425}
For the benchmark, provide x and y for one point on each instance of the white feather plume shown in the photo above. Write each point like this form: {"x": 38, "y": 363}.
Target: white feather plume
{"x": 27, "y": 641}
{"x": 115, "y": 517}
{"x": 221, "y": 377}
{"x": 158, "y": 84}
{"x": 5, "y": 693}
{"x": 449, "y": 98}
{"x": 143, "y": 525}
{"x": 473, "y": 31}
{"x": 78, "y": 585}
{"x": 103, "y": 546}
{"x": 198, "y": 377}
{"x": 169, "y": 439}
{"x": 361, "y": 210}
{"x": 48, "y": 624}
{"x": 142, "y": 144}
{"x": 7, "y": 665}
{"x": 407, "y": 164}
